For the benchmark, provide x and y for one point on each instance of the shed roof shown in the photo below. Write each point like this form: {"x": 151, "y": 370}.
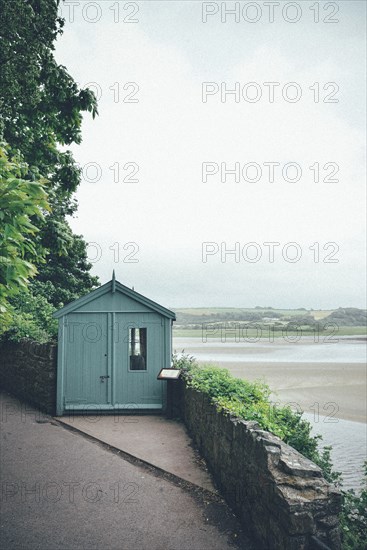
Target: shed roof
{"x": 114, "y": 286}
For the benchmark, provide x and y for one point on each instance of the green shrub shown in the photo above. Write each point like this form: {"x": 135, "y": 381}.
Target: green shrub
{"x": 354, "y": 517}
{"x": 30, "y": 317}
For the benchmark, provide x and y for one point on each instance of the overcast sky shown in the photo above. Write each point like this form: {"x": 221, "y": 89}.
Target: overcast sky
{"x": 163, "y": 131}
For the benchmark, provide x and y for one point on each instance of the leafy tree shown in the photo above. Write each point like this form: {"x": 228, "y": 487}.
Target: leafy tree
{"x": 40, "y": 103}
{"x": 65, "y": 277}
{"x": 41, "y": 109}
{"x": 22, "y": 201}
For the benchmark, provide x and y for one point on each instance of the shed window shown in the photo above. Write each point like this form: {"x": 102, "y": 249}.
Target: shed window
{"x": 138, "y": 348}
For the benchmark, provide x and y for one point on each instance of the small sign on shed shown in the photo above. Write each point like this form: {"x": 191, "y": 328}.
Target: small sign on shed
{"x": 112, "y": 345}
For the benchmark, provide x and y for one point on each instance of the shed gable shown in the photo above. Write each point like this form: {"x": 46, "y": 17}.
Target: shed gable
{"x": 114, "y": 297}
{"x": 116, "y": 302}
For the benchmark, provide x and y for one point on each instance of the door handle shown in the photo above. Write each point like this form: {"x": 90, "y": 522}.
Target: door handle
{"x": 103, "y": 377}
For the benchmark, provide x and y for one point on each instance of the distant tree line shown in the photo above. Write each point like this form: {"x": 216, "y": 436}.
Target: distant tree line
{"x": 347, "y": 317}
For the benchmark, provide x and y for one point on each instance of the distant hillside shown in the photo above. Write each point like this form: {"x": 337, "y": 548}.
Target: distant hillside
{"x": 195, "y": 317}
{"x": 348, "y": 317}
{"x": 191, "y": 316}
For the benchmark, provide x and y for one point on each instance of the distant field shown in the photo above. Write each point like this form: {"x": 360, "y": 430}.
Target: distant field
{"x": 252, "y": 333}
{"x": 197, "y": 311}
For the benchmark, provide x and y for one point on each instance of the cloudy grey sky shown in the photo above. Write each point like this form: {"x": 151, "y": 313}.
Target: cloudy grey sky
{"x": 162, "y": 70}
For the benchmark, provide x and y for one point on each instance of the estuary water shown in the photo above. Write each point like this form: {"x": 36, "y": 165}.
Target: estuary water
{"x": 344, "y": 350}
{"x": 327, "y": 380}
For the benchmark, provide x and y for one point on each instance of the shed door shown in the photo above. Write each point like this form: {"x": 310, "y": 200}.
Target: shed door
{"x": 87, "y": 379}
{"x": 138, "y": 360}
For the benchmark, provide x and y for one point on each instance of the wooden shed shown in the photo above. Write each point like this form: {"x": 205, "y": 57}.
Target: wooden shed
{"x": 112, "y": 345}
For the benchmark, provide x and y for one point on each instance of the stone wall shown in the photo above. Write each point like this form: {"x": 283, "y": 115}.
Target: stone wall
{"x": 280, "y": 496}
{"x": 28, "y": 371}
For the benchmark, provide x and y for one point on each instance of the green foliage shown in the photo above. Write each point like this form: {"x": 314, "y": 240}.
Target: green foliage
{"x": 354, "y": 517}
{"x": 254, "y": 323}
{"x": 323, "y": 459}
{"x": 22, "y": 202}
{"x": 40, "y": 103}
{"x": 66, "y": 276}
{"x": 348, "y": 316}
{"x": 31, "y": 317}
{"x": 22, "y": 327}
{"x": 41, "y": 109}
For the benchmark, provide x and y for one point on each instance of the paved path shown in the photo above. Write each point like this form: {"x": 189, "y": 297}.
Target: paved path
{"x": 62, "y": 491}
{"x": 154, "y": 439}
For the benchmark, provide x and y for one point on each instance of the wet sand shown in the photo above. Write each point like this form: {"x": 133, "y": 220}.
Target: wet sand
{"x": 332, "y": 389}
